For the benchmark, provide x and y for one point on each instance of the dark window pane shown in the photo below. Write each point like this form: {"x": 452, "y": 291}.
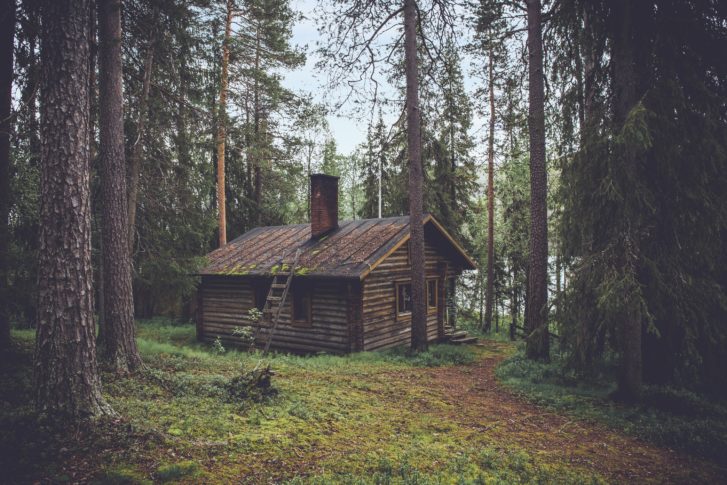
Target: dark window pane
{"x": 404, "y": 298}
{"x": 301, "y": 303}
{"x": 261, "y": 294}
{"x": 432, "y": 293}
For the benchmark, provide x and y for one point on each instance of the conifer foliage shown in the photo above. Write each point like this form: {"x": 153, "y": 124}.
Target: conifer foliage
{"x": 644, "y": 219}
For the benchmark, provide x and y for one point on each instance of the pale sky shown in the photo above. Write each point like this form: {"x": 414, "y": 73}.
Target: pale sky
{"x": 347, "y": 132}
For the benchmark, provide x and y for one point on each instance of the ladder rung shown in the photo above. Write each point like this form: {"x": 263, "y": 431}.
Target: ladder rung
{"x": 275, "y": 298}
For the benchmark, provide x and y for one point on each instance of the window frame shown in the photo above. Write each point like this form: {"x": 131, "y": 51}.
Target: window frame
{"x": 260, "y": 289}
{"x": 406, "y": 314}
{"x": 302, "y": 291}
{"x": 433, "y": 308}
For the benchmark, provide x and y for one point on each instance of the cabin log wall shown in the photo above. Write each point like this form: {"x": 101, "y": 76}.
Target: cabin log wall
{"x": 382, "y": 328}
{"x": 226, "y": 300}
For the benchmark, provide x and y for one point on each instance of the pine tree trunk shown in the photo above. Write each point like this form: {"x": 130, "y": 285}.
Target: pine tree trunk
{"x": 625, "y": 98}
{"x": 67, "y": 383}
{"x": 480, "y": 291}
{"x": 118, "y": 345}
{"x": 537, "y": 346}
{"x": 490, "y": 199}
{"x": 221, "y": 129}
{"x": 416, "y": 179}
{"x": 96, "y": 204}
{"x": 7, "y": 35}
{"x": 135, "y": 158}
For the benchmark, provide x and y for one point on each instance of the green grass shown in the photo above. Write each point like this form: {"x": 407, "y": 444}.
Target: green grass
{"x": 666, "y": 416}
{"x": 366, "y": 418}
{"x": 369, "y": 417}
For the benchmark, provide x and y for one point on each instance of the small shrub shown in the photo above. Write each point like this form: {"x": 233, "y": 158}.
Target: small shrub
{"x": 255, "y": 385}
{"x": 245, "y": 334}
{"x": 218, "y": 347}
{"x": 175, "y": 471}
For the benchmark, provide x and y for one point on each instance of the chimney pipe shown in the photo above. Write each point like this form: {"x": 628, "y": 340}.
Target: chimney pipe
{"x": 323, "y": 204}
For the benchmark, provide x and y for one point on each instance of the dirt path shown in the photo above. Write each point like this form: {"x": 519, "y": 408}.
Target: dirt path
{"x": 481, "y": 402}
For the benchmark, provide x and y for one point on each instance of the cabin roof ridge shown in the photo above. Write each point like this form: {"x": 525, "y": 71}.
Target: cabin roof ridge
{"x": 350, "y": 250}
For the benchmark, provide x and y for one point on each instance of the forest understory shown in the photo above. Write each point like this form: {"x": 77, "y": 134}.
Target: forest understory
{"x": 448, "y": 415}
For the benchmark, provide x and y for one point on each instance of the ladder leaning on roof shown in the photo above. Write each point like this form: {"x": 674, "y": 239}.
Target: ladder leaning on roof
{"x": 275, "y": 300}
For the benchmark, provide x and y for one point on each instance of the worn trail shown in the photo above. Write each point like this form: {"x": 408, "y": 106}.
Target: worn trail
{"x": 480, "y": 402}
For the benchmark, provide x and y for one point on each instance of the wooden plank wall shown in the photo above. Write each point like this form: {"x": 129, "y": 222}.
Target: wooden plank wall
{"x": 381, "y": 328}
{"x": 225, "y": 301}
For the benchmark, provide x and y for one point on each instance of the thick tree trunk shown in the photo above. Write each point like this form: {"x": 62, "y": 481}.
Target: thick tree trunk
{"x": 135, "y": 158}
{"x": 537, "y": 347}
{"x": 118, "y": 345}
{"x": 490, "y": 199}
{"x": 416, "y": 179}
{"x": 625, "y": 98}
{"x": 222, "y": 129}
{"x": 7, "y": 35}
{"x": 67, "y": 383}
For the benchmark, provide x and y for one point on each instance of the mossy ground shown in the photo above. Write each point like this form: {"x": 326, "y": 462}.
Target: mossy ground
{"x": 377, "y": 417}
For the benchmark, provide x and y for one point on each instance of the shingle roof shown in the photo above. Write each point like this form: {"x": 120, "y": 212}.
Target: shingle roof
{"x": 350, "y": 251}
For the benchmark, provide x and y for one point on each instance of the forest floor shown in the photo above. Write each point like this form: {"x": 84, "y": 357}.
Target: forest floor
{"x": 375, "y": 417}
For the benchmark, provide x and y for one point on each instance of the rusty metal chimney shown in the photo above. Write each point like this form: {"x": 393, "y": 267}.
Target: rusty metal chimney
{"x": 323, "y": 204}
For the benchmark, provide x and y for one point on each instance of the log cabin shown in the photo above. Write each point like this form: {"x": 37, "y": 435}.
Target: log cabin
{"x": 349, "y": 291}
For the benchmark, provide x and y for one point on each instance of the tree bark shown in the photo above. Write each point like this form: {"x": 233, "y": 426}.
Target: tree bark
{"x": 135, "y": 158}
{"x": 67, "y": 383}
{"x": 416, "y": 179}
{"x": 490, "y": 199}
{"x": 118, "y": 345}
{"x": 537, "y": 346}
{"x": 221, "y": 129}
{"x": 7, "y": 35}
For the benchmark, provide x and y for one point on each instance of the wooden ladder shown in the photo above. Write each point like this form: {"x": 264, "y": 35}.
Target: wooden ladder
{"x": 275, "y": 300}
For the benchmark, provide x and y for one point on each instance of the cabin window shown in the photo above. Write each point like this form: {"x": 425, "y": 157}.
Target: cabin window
{"x": 302, "y": 302}
{"x": 261, "y": 289}
{"x": 403, "y": 299}
{"x": 432, "y": 294}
